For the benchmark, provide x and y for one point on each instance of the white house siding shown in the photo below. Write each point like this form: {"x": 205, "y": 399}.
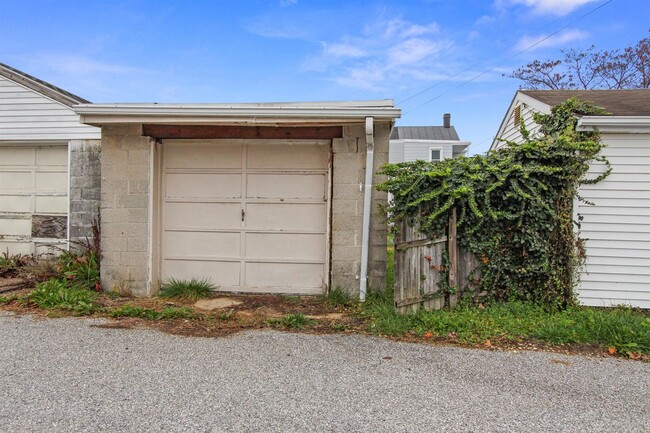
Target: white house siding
{"x": 617, "y": 227}
{"x": 396, "y": 151}
{"x": 28, "y": 115}
{"x": 512, "y": 130}
{"x": 36, "y": 134}
{"x": 412, "y": 150}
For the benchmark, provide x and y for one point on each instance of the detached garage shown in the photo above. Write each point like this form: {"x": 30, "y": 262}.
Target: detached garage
{"x": 49, "y": 166}
{"x": 260, "y": 198}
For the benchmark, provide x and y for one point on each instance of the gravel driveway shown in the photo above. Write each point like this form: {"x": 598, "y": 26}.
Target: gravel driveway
{"x": 63, "y": 375}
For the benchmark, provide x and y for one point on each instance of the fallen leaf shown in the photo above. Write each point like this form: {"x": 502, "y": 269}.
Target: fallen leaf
{"x": 388, "y": 357}
{"x": 452, "y": 335}
{"x": 488, "y": 343}
{"x": 481, "y": 307}
{"x": 612, "y": 350}
{"x": 634, "y": 355}
{"x": 428, "y": 335}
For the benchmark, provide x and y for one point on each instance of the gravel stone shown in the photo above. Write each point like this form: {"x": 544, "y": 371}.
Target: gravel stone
{"x": 65, "y": 375}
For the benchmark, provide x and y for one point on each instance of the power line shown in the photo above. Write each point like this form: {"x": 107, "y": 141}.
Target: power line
{"x": 497, "y": 65}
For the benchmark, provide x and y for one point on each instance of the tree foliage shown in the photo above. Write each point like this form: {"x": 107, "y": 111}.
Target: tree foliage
{"x": 515, "y": 205}
{"x": 627, "y": 68}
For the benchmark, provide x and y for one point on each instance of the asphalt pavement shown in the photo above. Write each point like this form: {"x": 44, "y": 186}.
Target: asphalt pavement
{"x": 66, "y": 375}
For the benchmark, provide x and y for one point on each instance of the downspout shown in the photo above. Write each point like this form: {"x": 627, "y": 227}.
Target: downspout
{"x": 367, "y": 201}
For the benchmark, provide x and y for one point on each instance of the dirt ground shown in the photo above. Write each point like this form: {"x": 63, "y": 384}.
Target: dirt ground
{"x": 265, "y": 311}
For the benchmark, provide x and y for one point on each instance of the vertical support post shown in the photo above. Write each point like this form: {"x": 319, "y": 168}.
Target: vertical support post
{"x": 453, "y": 258}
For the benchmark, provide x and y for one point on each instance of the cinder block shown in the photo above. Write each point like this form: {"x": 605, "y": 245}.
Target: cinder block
{"x": 345, "y": 267}
{"x": 140, "y": 215}
{"x": 345, "y": 282}
{"x": 136, "y": 259}
{"x": 344, "y": 145}
{"x": 139, "y": 156}
{"x": 345, "y": 238}
{"x": 346, "y": 222}
{"x": 93, "y": 194}
{"x": 138, "y": 186}
{"x": 132, "y": 201}
{"x": 349, "y": 207}
{"x": 346, "y": 253}
{"x": 115, "y": 216}
{"x": 346, "y": 191}
{"x": 137, "y": 244}
{"x": 112, "y": 244}
{"x": 110, "y": 185}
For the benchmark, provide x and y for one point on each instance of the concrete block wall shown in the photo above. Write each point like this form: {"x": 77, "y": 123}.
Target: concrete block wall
{"x": 125, "y": 202}
{"x": 85, "y": 187}
{"x": 347, "y": 209}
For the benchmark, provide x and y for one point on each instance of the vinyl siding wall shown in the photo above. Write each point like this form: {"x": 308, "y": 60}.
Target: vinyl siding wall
{"x": 512, "y": 130}
{"x": 617, "y": 226}
{"x": 411, "y": 150}
{"x": 28, "y": 115}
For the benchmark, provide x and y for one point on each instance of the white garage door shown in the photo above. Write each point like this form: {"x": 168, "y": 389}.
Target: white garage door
{"x": 33, "y": 198}
{"x": 251, "y": 215}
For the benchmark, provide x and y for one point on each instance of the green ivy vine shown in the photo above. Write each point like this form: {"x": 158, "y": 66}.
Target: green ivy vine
{"x": 514, "y": 205}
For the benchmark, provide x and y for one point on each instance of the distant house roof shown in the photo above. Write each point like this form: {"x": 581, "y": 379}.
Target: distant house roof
{"x": 424, "y": 133}
{"x": 51, "y": 91}
{"x": 629, "y": 102}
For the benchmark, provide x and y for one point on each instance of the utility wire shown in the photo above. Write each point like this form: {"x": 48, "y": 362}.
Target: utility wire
{"x": 495, "y": 66}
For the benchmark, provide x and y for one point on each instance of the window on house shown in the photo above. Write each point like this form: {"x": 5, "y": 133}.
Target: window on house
{"x": 435, "y": 155}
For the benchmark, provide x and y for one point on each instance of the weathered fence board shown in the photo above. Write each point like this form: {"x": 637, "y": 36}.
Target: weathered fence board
{"x": 419, "y": 270}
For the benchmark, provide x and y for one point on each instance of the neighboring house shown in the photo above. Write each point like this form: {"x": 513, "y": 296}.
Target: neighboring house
{"x": 49, "y": 166}
{"x": 428, "y": 143}
{"x": 270, "y": 197}
{"x": 617, "y": 226}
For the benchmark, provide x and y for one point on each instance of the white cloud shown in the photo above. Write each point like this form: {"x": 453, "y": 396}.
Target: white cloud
{"x": 383, "y": 55}
{"x": 532, "y": 43}
{"x": 552, "y": 7}
{"x": 343, "y": 50}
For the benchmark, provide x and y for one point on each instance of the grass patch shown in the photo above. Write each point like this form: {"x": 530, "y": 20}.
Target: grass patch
{"x": 291, "y": 299}
{"x": 292, "y": 321}
{"x": 625, "y": 329}
{"x": 7, "y": 299}
{"x": 150, "y": 314}
{"x": 390, "y": 263}
{"x": 54, "y": 294}
{"x": 337, "y": 297}
{"x": 192, "y": 290}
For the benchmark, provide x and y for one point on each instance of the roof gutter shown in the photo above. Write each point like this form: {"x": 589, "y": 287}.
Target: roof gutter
{"x": 102, "y": 114}
{"x": 367, "y": 209}
{"x": 614, "y": 124}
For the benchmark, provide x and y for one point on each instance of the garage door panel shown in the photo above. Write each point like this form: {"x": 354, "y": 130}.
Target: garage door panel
{"x": 13, "y": 156}
{"x": 286, "y": 216}
{"x": 285, "y": 246}
{"x": 16, "y": 247}
{"x": 52, "y": 156}
{"x": 287, "y": 156}
{"x": 220, "y": 273}
{"x": 287, "y": 186}
{"x": 203, "y": 244}
{"x": 15, "y": 203}
{"x": 203, "y": 185}
{"x": 298, "y": 278}
{"x": 16, "y": 226}
{"x": 218, "y": 216}
{"x": 203, "y": 155}
{"x": 51, "y": 204}
{"x": 15, "y": 181}
{"x": 51, "y": 182}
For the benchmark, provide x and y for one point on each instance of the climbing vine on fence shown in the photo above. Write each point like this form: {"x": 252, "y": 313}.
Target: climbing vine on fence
{"x": 514, "y": 205}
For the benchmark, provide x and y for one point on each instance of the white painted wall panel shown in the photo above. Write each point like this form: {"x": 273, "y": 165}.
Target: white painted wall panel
{"x": 617, "y": 227}
{"x": 28, "y": 115}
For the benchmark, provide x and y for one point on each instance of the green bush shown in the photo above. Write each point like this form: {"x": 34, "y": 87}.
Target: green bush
{"x": 338, "y": 297}
{"x": 81, "y": 270}
{"x": 193, "y": 289}
{"x": 55, "y": 294}
{"x": 514, "y": 206}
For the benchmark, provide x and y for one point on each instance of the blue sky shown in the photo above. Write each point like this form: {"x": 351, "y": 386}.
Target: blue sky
{"x": 299, "y": 50}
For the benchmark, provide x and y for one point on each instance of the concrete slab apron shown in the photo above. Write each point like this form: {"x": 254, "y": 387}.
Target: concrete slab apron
{"x": 65, "y": 376}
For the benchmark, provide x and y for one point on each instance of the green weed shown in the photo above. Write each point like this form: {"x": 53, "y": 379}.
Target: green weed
{"x": 193, "y": 289}
{"x": 338, "y": 297}
{"x": 54, "y": 294}
{"x": 292, "y": 321}
{"x": 623, "y": 328}
{"x": 150, "y": 314}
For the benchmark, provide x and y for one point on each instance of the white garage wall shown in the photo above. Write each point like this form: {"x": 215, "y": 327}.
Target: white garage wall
{"x": 617, "y": 227}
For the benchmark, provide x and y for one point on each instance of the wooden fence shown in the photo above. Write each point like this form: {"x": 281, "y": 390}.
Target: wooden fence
{"x": 419, "y": 270}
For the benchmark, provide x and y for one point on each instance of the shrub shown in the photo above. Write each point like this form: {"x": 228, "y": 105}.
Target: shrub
{"x": 182, "y": 289}
{"x": 81, "y": 270}
{"x": 514, "y": 206}
{"x": 338, "y": 297}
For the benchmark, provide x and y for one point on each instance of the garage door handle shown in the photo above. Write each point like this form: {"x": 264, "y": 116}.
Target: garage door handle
{"x": 243, "y": 214}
